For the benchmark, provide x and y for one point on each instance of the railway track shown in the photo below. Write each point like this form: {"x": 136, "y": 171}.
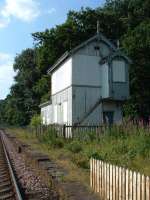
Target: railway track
{"x": 9, "y": 189}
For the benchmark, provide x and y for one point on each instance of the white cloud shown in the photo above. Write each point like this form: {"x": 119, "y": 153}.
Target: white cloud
{"x": 52, "y": 10}
{"x": 24, "y": 10}
{"x": 4, "y": 22}
{"x": 4, "y": 57}
{"x": 6, "y": 74}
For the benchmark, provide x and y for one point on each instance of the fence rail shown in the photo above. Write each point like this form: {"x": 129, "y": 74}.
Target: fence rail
{"x": 117, "y": 183}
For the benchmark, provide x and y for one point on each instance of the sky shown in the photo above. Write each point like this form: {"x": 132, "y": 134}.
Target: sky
{"x": 20, "y": 18}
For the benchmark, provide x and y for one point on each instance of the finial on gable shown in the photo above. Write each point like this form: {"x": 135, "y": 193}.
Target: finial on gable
{"x": 98, "y": 27}
{"x": 118, "y": 44}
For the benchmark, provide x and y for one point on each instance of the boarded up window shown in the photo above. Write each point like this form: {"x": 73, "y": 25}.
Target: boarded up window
{"x": 118, "y": 71}
{"x": 55, "y": 114}
{"x": 65, "y": 111}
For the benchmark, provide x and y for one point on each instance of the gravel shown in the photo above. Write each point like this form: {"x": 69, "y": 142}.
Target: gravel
{"x": 35, "y": 184}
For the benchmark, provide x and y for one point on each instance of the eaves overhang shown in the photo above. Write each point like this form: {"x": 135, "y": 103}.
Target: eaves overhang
{"x": 47, "y": 103}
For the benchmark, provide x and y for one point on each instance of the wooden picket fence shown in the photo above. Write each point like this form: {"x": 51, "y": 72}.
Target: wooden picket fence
{"x": 117, "y": 183}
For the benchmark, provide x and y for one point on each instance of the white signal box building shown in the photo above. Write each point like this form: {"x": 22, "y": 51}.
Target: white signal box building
{"x": 89, "y": 85}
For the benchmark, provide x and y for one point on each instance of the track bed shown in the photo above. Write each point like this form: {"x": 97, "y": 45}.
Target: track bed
{"x": 8, "y": 186}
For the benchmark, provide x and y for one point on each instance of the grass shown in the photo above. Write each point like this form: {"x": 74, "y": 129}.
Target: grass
{"x": 125, "y": 146}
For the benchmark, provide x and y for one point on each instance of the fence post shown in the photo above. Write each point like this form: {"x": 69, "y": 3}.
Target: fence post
{"x": 64, "y": 130}
{"x": 36, "y": 131}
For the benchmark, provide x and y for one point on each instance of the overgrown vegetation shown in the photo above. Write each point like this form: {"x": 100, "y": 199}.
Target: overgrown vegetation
{"x": 127, "y": 146}
{"x": 126, "y": 20}
{"x": 35, "y": 121}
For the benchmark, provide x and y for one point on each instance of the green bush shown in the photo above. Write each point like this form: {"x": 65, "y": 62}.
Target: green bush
{"x": 84, "y": 135}
{"x": 121, "y": 148}
{"x": 74, "y": 147}
{"x": 35, "y": 121}
{"x": 95, "y": 154}
{"x": 131, "y": 154}
{"x": 144, "y": 147}
{"x": 57, "y": 143}
{"x": 81, "y": 161}
{"x": 91, "y": 136}
{"x": 51, "y": 134}
{"x": 50, "y": 137}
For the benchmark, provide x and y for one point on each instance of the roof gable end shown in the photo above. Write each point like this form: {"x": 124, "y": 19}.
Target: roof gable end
{"x": 67, "y": 54}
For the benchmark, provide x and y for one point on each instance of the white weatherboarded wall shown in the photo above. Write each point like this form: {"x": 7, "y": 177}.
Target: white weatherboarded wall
{"x": 62, "y": 106}
{"x": 65, "y": 111}
{"x": 46, "y": 114}
{"x": 61, "y": 78}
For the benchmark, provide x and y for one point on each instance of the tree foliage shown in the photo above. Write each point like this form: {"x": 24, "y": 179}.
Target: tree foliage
{"x": 126, "y": 20}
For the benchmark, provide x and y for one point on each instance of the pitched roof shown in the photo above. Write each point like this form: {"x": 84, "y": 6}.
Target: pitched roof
{"x": 45, "y": 104}
{"x": 67, "y": 54}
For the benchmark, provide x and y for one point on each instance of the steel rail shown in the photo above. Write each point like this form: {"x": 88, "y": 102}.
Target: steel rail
{"x": 18, "y": 195}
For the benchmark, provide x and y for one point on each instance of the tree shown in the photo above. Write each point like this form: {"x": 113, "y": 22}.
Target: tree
{"x": 137, "y": 45}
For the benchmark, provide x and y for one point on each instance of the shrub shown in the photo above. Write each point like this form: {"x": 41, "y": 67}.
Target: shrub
{"x": 35, "y": 121}
{"x": 74, "y": 147}
{"x": 84, "y": 135}
{"x": 49, "y": 136}
{"x": 131, "y": 154}
{"x": 121, "y": 148}
{"x": 144, "y": 147}
{"x": 57, "y": 143}
{"x": 95, "y": 155}
{"x": 91, "y": 136}
{"x": 81, "y": 160}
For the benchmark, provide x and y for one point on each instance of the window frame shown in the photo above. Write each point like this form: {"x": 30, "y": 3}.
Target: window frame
{"x": 125, "y": 77}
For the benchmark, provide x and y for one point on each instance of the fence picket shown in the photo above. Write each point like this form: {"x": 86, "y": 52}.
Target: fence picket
{"x": 111, "y": 182}
{"x": 120, "y": 183}
{"x": 91, "y": 169}
{"x": 143, "y": 187}
{"x": 98, "y": 175}
{"x": 134, "y": 186}
{"x": 107, "y": 180}
{"x": 123, "y": 183}
{"x": 147, "y": 188}
{"x": 138, "y": 186}
{"x": 117, "y": 183}
{"x": 114, "y": 183}
{"x": 127, "y": 184}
